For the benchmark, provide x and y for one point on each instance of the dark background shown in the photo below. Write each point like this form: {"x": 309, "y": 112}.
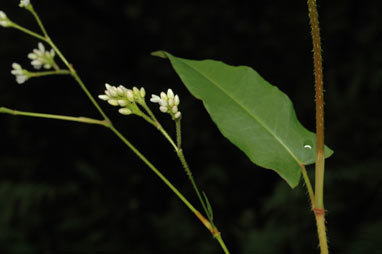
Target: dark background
{"x": 75, "y": 188}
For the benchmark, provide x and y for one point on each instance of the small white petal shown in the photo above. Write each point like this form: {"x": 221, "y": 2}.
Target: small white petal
{"x": 130, "y": 95}
{"x": 155, "y": 98}
{"x": 16, "y": 66}
{"x": 163, "y": 109}
{"x": 176, "y": 100}
{"x": 107, "y": 93}
{"x": 163, "y": 96}
{"x": 41, "y": 47}
{"x": 3, "y": 15}
{"x": 136, "y": 90}
{"x": 107, "y": 86}
{"x": 52, "y": 53}
{"x": 123, "y": 88}
{"x": 21, "y": 79}
{"x": 142, "y": 92}
{"x": 113, "y": 91}
{"x": 36, "y": 64}
{"x": 174, "y": 109}
{"x": 120, "y": 91}
{"x": 24, "y": 3}
{"x": 4, "y": 23}
{"x": 125, "y": 111}
{"x": 113, "y": 102}
{"x": 177, "y": 115}
{"x": 163, "y": 103}
{"x": 32, "y": 56}
{"x": 170, "y": 94}
{"x": 170, "y": 102}
{"x": 47, "y": 66}
{"x": 15, "y": 72}
{"x": 307, "y": 146}
{"x": 122, "y": 103}
{"x": 103, "y": 97}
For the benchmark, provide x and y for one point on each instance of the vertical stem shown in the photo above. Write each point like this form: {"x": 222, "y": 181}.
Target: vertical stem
{"x": 178, "y": 133}
{"x": 188, "y": 170}
{"x": 321, "y": 229}
{"x": 317, "y": 57}
{"x": 320, "y": 158}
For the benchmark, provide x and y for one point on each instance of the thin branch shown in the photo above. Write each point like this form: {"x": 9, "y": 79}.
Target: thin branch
{"x": 53, "y": 116}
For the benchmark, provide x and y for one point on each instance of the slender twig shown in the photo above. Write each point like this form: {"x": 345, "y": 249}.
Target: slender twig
{"x": 53, "y": 116}
{"x": 188, "y": 170}
{"x": 319, "y": 209}
{"x": 152, "y": 120}
{"x": 35, "y": 15}
{"x": 27, "y": 31}
{"x": 47, "y": 73}
{"x": 157, "y": 125}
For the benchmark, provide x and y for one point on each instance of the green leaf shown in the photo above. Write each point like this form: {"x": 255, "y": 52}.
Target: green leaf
{"x": 254, "y": 115}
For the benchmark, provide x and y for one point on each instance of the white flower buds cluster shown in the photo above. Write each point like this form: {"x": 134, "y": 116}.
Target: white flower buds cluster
{"x": 20, "y": 73}
{"x": 168, "y": 103}
{"x": 125, "y": 98}
{"x": 4, "y": 20}
{"x": 42, "y": 58}
{"x": 24, "y": 3}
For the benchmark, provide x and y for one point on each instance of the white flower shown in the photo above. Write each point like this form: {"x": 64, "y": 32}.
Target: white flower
{"x": 4, "y": 21}
{"x": 40, "y": 57}
{"x": 24, "y": 3}
{"x": 125, "y": 98}
{"x": 20, "y": 73}
{"x": 168, "y": 103}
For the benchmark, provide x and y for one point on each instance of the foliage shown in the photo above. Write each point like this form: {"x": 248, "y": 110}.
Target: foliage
{"x": 254, "y": 115}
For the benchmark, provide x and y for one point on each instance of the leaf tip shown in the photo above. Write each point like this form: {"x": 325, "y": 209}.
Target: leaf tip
{"x": 160, "y": 53}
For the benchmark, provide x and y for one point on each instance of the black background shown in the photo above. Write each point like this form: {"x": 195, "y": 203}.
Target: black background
{"x": 75, "y": 188}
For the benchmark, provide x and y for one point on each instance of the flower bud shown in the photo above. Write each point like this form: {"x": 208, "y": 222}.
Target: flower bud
{"x": 125, "y": 111}
{"x": 168, "y": 103}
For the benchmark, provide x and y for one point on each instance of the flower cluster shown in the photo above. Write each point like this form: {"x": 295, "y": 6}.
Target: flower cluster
{"x": 4, "y": 20}
{"x": 168, "y": 103}
{"x": 24, "y": 3}
{"x": 42, "y": 58}
{"x": 20, "y": 73}
{"x": 125, "y": 98}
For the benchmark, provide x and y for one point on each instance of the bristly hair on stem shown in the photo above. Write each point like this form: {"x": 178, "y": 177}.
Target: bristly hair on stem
{"x": 319, "y": 209}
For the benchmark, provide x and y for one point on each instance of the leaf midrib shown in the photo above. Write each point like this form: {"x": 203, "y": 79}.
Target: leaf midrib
{"x": 249, "y": 113}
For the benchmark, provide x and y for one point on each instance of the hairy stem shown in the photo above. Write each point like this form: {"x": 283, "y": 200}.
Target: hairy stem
{"x": 188, "y": 170}
{"x": 320, "y": 157}
{"x": 321, "y": 229}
